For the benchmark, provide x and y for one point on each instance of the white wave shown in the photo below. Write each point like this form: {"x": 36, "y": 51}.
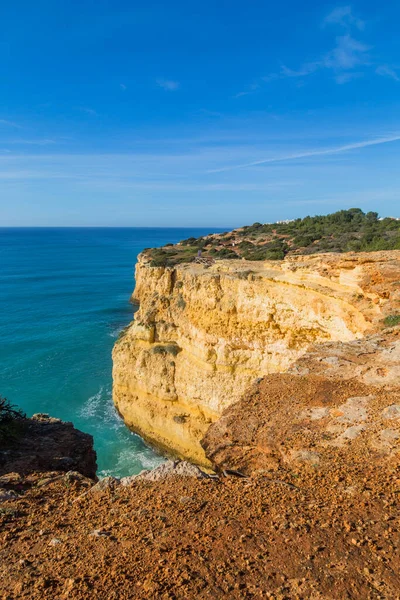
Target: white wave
{"x": 132, "y": 461}
{"x": 101, "y": 409}
{"x": 129, "y": 455}
{"x": 115, "y": 332}
{"x": 92, "y": 405}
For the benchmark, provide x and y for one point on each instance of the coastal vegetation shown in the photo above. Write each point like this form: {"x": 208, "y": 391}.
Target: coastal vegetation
{"x": 343, "y": 231}
{"x": 10, "y": 420}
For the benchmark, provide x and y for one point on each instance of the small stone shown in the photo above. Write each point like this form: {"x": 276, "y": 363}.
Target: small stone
{"x": 306, "y": 456}
{"x": 170, "y": 468}
{"x": 54, "y": 542}
{"x": 391, "y": 412}
{"x": 100, "y": 533}
{"x": 10, "y": 478}
{"x": 73, "y": 476}
{"x": 107, "y": 483}
{"x": 331, "y": 360}
{"x": 24, "y": 562}
{"x": 351, "y": 433}
{"x": 319, "y": 413}
{"x": 353, "y": 410}
{"x": 40, "y": 416}
{"x": 7, "y": 495}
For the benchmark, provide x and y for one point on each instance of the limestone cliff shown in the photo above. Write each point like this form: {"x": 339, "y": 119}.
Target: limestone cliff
{"x": 202, "y": 335}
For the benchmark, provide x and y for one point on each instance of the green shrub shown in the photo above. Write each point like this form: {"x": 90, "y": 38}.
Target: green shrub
{"x": 224, "y": 253}
{"x": 10, "y": 420}
{"x": 166, "y": 349}
{"x": 245, "y": 274}
{"x": 159, "y": 262}
{"x": 277, "y": 254}
{"x": 392, "y": 320}
{"x": 180, "y": 302}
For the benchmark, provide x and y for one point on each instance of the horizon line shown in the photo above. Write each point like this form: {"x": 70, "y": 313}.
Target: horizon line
{"x": 116, "y": 226}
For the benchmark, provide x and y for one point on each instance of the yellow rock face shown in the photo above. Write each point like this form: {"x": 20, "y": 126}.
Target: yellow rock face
{"x": 203, "y": 335}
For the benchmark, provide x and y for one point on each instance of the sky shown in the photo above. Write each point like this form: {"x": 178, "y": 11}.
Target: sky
{"x": 214, "y": 113}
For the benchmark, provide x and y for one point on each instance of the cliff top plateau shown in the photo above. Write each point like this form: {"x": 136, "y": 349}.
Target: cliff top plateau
{"x": 344, "y": 231}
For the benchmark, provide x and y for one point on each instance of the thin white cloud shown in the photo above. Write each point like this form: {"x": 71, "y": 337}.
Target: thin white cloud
{"x": 122, "y": 86}
{"x": 23, "y": 174}
{"x": 10, "y": 124}
{"x": 192, "y": 187}
{"x": 342, "y": 78}
{"x": 244, "y": 93}
{"x": 250, "y": 90}
{"x": 310, "y": 153}
{"x": 209, "y": 113}
{"x": 343, "y": 16}
{"x": 387, "y": 71}
{"x": 168, "y": 84}
{"x": 306, "y": 69}
{"x": 87, "y": 110}
{"x": 38, "y": 142}
{"x": 347, "y": 54}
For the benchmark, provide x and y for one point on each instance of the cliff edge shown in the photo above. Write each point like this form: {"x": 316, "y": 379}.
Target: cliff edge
{"x": 42, "y": 444}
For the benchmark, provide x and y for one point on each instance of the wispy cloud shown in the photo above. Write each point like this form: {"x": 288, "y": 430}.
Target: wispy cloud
{"x": 87, "y": 110}
{"x": 346, "y": 55}
{"x": 10, "y": 124}
{"x": 342, "y": 78}
{"x": 303, "y": 71}
{"x": 249, "y": 90}
{"x": 343, "y": 16}
{"x": 168, "y": 84}
{"x": 38, "y": 142}
{"x": 386, "y": 71}
{"x": 348, "y": 59}
{"x": 209, "y": 113}
{"x": 122, "y": 86}
{"x": 310, "y": 153}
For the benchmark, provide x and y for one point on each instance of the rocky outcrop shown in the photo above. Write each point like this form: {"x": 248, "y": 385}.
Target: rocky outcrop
{"x": 203, "y": 335}
{"x": 338, "y": 401}
{"x": 43, "y": 444}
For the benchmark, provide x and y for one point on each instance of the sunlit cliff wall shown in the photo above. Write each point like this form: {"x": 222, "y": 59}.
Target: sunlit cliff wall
{"x": 202, "y": 335}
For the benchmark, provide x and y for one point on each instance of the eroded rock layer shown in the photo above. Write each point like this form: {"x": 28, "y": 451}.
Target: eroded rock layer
{"x": 202, "y": 335}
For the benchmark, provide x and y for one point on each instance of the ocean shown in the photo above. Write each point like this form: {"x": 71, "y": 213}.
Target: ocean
{"x": 64, "y": 298}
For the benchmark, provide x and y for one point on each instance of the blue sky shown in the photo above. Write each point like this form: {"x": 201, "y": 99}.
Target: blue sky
{"x": 218, "y": 113}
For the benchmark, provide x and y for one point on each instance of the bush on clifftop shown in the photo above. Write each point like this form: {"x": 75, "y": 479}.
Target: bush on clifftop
{"x": 10, "y": 418}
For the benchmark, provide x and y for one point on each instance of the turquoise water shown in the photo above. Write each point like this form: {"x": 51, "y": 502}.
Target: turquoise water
{"x": 64, "y": 298}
